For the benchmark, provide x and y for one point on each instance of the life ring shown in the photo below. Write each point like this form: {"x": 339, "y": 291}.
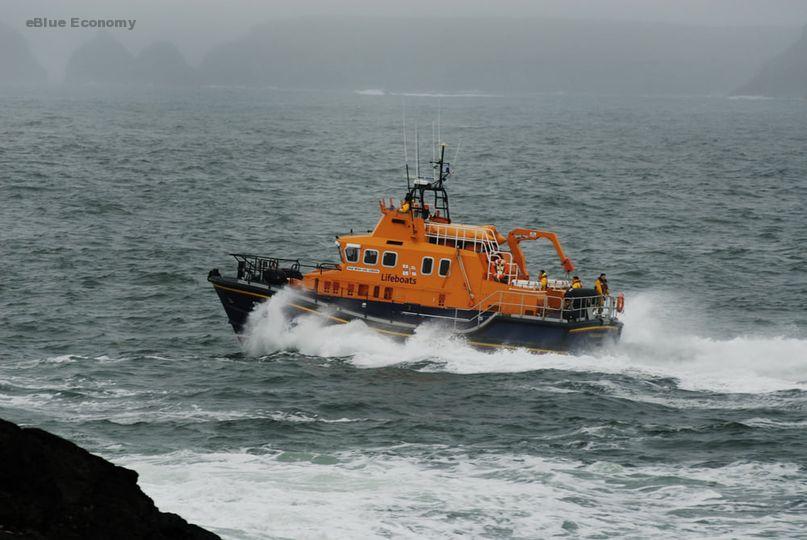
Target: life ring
{"x": 620, "y": 303}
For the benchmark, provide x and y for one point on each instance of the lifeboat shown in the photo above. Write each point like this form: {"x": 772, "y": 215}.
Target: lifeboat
{"x": 417, "y": 266}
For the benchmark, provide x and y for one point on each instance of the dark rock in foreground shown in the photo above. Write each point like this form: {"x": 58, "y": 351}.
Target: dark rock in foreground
{"x": 51, "y": 488}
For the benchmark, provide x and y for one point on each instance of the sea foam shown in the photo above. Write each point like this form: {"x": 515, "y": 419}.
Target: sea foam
{"x": 434, "y": 492}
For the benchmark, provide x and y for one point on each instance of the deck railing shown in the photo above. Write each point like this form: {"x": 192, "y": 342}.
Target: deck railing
{"x": 550, "y": 308}
{"x": 545, "y": 307}
{"x": 263, "y": 269}
{"x": 457, "y": 233}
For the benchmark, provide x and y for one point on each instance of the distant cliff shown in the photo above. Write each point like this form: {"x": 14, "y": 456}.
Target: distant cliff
{"x": 496, "y": 54}
{"x": 51, "y": 488}
{"x": 17, "y": 63}
{"x": 163, "y": 64}
{"x": 785, "y": 75}
{"x": 105, "y": 60}
{"x": 101, "y": 60}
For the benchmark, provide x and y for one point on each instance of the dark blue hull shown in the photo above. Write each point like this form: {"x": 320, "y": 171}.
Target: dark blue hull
{"x": 400, "y": 320}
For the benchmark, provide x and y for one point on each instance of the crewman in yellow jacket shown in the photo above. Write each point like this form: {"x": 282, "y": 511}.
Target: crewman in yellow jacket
{"x": 576, "y": 283}
{"x": 543, "y": 280}
{"x": 601, "y": 285}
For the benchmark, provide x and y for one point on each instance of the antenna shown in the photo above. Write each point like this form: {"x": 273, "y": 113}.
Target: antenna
{"x": 406, "y": 154}
{"x": 417, "y": 152}
{"x": 439, "y": 103}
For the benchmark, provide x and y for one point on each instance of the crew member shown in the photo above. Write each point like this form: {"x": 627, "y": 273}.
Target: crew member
{"x": 601, "y": 286}
{"x": 500, "y": 270}
{"x": 544, "y": 280}
{"x": 493, "y": 269}
{"x": 405, "y": 205}
{"x": 576, "y": 283}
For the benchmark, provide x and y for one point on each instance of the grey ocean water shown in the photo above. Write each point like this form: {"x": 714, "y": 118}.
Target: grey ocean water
{"x": 115, "y": 204}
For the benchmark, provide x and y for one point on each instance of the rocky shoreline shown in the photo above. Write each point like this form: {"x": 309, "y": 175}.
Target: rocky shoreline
{"x": 52, "y": 488}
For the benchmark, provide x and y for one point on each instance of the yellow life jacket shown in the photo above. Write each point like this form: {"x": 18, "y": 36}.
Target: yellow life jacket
{"x": 577, "y": 284}
{"x": 598, "y": 286}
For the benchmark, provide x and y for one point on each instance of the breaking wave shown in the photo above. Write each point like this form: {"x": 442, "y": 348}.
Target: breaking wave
{"x": 651, "y": 348}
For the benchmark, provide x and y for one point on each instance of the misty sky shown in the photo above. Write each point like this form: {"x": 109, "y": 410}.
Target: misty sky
{"x": 196, "y": 25}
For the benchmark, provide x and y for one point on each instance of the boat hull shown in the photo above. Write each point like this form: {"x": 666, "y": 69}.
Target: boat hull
{"x": 489, "y": 330}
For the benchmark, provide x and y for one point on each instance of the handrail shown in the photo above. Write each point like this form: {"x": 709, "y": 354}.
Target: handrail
{"x": 300, "y": 263}
{"x": 570, "y": 308}
{"x": 470, "y": 233}
{"x": 265, "y": 269}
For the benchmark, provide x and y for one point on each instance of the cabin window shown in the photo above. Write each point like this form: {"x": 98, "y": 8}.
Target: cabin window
{"x": 375, "y": 291}
{"x": 352, "y": 253}
{"x": 427, "y": 266}
{"x": 370, "y": 256}
{"x": 350, "y": 288}
{"x": 327, "y": 286}
{"x": 363, "y": 290}
{"x": 335, "y": 287}
{"x": 445, "y": 267}
{"x": 390, "y": 259}
{"x": 387, "y": 293}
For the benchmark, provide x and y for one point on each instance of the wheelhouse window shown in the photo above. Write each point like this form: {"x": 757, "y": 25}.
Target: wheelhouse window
{"x": 371, "y": 257}
{"x": 352, "y": 253}
{"x": 390, "y": 259}
{"x": 427, "y": 266}
{"x": 445, "y": 267}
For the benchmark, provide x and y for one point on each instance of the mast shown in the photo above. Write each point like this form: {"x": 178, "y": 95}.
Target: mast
{"x": 434, "y": 148}
{"x": 443, "y": 170}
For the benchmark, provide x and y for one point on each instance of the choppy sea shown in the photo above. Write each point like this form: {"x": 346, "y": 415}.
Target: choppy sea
{"x": 115, "y": 203}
